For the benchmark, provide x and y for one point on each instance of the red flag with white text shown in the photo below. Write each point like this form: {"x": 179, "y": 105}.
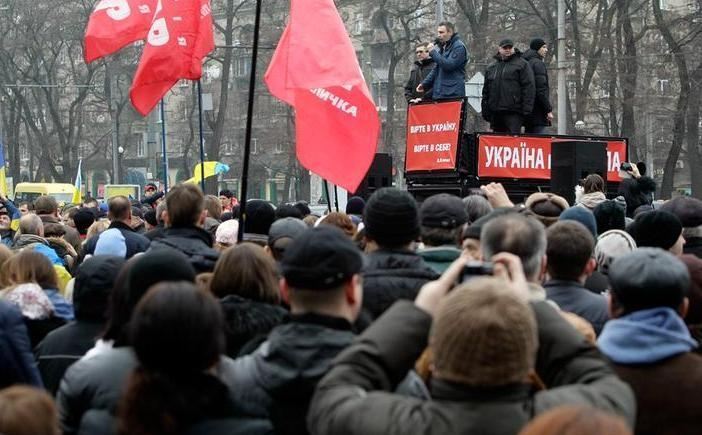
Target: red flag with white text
{"x": 337, "y": 122}
{"x": 179, "y": 38}
{"x": 115, "y": 24}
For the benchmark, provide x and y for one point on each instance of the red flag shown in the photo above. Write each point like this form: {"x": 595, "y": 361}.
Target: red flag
{"x": 116, "y": 23}
{"x": 336, "y": 119}
{"x": 179, "y": 37}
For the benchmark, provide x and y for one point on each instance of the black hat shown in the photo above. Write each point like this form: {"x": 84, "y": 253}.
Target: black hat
{"x": 443, "y": 211}
{"x": 391, "y": 217}
{"x": 83, "y": 219}
{"x": 289, "y": 227}
{"x": 610, "y": 215}
{"x": 658, "y": 229}
{"x": 260, "y": 215}
{"x": 93, "y": 285}
{"x": 648, "y": 278}
{"x": 687, "y": 209}
{"x": 355, "y": 205}
{"x": 506, "y": 42}
{"x": 321, "y": 258}
{"x": 537, "y": 43}
{"x": 150, "y": 218}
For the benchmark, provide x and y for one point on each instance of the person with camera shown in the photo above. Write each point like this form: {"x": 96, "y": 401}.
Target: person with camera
{"x": 487, "y": 319}
{"x": 447, "y": 79}
{"x": 636, "y": 188}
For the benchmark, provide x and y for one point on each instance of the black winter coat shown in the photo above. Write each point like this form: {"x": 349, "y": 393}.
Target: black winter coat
{"x": 509, "y": 87}
{"x": 392, "y": 275}
{"x": 134, "y": 241}
{"x": 194, "y": 242}
{"x": 278, "y": 380}
{"x": 542, "y": 103}
{"x": 636, "y": 192}
{"x": 355, "y": 398}
{"x": 246, "y": 319}
{"x": 420, "y": 70}
{"x": 16, "y": 359}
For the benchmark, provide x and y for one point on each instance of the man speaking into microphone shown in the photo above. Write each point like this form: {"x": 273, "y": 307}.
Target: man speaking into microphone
{"x": 450, "y": 55}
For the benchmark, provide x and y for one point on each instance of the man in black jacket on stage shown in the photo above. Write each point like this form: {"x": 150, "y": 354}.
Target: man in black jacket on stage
{"x": 542, "y": 114}
{"x": 508, "y": 92}
{"x": 420, "y": 70}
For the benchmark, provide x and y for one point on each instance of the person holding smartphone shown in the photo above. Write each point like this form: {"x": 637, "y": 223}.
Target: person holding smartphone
{"x": 636, "y": 188}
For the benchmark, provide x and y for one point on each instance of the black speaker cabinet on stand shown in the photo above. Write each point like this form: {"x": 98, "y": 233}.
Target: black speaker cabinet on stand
{"x": 379, "y": 175}
{"x": 573, "y": 160}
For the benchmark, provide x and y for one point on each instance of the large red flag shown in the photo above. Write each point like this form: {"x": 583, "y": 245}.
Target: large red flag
{"x": 116, "y": 23}
{"x": 315, "y": 70}
{"x": 179, "y": 38}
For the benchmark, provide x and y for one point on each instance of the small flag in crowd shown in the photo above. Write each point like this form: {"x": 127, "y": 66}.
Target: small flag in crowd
{"x": 78, "y": 183}
{"x": 3, "y": 179}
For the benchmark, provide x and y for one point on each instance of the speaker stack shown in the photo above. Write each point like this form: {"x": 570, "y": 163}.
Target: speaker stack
{"x": 573, "y": 160}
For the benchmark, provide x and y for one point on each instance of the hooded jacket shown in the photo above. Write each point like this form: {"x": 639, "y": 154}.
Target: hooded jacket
{"x": 354, "y": 397}
{"x": 652, "y": 351}
{"x": 542, "y": 103}
{"x": 278, "y": 380}
{"x": 447, "y": 79}
{"x": 246, "y": 319}
{"x": 392, "y": 275}
{"x": 509, "y": 87}
{"x": 420, "y": 70}
{"x": 194, "y": 242}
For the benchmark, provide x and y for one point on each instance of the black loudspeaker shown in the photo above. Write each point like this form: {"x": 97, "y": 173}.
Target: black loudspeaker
{"x": 379, "y": 175}
{"x": 573, "y": 160}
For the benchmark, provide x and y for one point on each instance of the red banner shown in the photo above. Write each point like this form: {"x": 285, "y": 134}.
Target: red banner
{"x": 530, "y": 157}
{"x": 432, "y": 136}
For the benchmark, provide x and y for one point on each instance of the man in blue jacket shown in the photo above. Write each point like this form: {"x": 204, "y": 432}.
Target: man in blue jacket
{"x": 450, "y": 55}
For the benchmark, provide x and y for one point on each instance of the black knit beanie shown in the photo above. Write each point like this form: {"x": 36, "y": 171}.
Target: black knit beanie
{"x": 536, "y": 44}
{"x": 657, "y": 229}
{"x": 391, "y": 217}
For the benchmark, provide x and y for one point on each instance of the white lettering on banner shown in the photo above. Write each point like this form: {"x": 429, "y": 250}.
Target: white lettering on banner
{"x": 158, "y": 33}
{"x": 414, "y": 129}
{"x": 336, "y": 101}
{"x": 613, "y": 161}
{"x": 444, "y": 126}
{"x": 118, "y": 10}
{"x": 440, "y": 147}
{"x": 521, "y": 157}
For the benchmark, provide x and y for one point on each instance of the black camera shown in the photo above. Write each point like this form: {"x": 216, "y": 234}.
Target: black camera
{"x": 626, "y": 166}
{"x": 474, "y": 269}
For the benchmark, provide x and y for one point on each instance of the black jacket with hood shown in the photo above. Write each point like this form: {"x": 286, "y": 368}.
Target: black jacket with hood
{"x": 542, "y": 104}
{"x": 194, "y": 242}
{"x": 509, "y": 87}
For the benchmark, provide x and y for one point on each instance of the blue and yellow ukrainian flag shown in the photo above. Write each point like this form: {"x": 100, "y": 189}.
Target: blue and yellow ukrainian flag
{"x": 3, "y": 180}
{"x": 79, "y": 181}
{"x": 211, "y": 169}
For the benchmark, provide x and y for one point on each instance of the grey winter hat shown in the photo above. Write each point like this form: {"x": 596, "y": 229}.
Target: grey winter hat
{"x": 506, "y": 43}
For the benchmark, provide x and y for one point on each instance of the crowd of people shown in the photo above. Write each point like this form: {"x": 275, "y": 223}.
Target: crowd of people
{"x": 446, "y": 316}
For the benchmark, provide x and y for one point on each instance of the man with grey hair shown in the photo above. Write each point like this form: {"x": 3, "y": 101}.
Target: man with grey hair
{"x": 31, "y": 230}
{"x": 522, "y": 236}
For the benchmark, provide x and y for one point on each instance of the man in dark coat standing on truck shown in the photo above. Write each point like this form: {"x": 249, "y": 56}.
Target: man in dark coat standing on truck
{"x": 542, "y": 114}
{"x": 508, "y": 92}
{"x": 448, "y": 78}
{"x": 421, "y": 68}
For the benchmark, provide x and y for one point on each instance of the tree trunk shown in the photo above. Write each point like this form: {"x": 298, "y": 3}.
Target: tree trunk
{"x": 628, "y": 70}
{"x": 693, "y": 134}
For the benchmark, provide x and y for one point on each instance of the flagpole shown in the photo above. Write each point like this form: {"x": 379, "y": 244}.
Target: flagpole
{"x": 326, "y": 193}
{"x": 163, "y": 146}
{"x": 202, "y": 138}
{"x": 336, "y": 198}
{"x": 249, "y": 120}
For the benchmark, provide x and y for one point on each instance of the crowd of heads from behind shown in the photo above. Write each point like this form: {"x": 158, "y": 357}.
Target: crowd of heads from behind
{"x": 538, "y": 315}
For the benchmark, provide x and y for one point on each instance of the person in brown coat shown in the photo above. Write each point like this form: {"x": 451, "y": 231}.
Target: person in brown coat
{"x": 649, "y": 344}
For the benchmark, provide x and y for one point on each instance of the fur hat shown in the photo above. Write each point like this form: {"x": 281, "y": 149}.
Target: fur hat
{"x": 484, "y": 335}
{"x": 658, "y": 229}
{"x": 391, "y": 217}
{"x": 546, "y": 207}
